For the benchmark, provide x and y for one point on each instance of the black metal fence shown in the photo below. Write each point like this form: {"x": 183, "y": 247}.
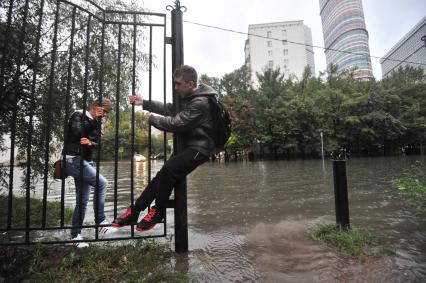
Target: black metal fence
{"x": 57, "y": 56}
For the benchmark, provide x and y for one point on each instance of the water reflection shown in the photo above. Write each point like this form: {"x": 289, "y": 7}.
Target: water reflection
{"x": 141, "y": 174}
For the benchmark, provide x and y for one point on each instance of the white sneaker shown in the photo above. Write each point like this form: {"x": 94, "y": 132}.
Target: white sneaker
{"x": 104, "y": 231}
{"x": 80, "y": 245}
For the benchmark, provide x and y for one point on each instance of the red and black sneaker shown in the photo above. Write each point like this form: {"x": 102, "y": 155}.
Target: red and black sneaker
{"x": 153, "y": 217}
{"x": 130, "y": 216}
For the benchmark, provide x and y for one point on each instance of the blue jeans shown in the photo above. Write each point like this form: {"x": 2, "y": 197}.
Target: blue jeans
{"x": 89, "y": 181}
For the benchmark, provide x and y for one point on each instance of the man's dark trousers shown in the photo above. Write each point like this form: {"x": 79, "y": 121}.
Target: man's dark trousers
{"x": 174, "y": 170}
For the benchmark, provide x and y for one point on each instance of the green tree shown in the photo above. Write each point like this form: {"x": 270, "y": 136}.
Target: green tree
{"x": 409, "y": 84}
{"x": 238, "y": 96}
{"x": 42, "y": 103}
{"x": 271, "y": 85}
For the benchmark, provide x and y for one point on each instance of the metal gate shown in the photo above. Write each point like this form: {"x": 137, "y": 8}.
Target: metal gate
{"x": 57, "y": 56}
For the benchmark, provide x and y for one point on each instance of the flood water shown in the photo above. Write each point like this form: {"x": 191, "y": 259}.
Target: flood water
{"x": 251, "y": 222}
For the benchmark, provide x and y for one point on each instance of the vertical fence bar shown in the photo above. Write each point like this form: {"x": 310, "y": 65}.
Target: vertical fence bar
{"x": 48, "y": 114}
{"x": 32, "y": 98}
{"x": 3, "y": 92}
{"x": 149, "y": 126}
{"x": 341, "y": 193}
{"x": 164, "y": 101}
{"x": 181, "y": 209}
{"x": 117, "y": 121}
{"x": 100, "y": 97}
{"x": 132, "y": 161}
{"x": 67, "y": 103}
{"x": 3, "y": 58}
{"x": 150, "y": 98}
{"x": 85, "y": 90}
{"x": 101, "y": 94}
{"x": 15, "y": 109}
{"x": 164, "y": 86}
{"x": 15, "y": 91}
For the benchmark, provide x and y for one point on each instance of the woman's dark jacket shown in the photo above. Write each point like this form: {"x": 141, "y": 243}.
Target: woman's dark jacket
{"x": 193, "y": 122}
{"x": 80, "y": 126}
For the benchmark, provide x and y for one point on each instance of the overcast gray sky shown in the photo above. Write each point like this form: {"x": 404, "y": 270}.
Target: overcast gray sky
{"x": 217, "y": 52}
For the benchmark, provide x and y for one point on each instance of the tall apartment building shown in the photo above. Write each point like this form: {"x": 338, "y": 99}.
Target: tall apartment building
{"x": 346, "y": 36}
{"x": 411, "y": 48}
{"x": 283, "y": 45}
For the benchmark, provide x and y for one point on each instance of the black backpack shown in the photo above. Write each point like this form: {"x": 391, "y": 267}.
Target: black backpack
{"x": 221, "y": 122}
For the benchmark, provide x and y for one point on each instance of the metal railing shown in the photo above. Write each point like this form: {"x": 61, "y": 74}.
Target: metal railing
{"x": 54, "y": 55}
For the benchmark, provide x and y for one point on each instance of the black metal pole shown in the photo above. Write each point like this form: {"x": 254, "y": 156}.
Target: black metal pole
{"x": 341, "y": 193}
{"x": 181, "y": 209}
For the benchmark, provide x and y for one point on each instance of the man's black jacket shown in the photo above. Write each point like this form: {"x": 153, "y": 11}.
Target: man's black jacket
{"x": 193, "y": 122}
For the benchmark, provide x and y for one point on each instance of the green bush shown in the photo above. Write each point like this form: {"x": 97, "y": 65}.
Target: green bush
{"x": 413, "y": 184}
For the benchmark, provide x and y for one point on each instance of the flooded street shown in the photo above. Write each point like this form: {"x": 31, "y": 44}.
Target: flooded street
{"x": 251, "y": 222}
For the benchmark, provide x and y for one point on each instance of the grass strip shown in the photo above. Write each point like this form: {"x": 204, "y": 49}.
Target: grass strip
{"x": 19, "y": 208}
{"x": 142, "y": 261}
{"x": 355, "y": 243}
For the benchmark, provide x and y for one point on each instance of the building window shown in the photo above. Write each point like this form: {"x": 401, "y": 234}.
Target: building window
{"x": 268, "y": 34}
{"x": 285, "y": 64}
{"x": 285, "y": 52}
{"x": 284, "y": 33}
{"x": 284, "y": 42}
{"x": 269, "y": 43}
{"x": 271, "y": 64}
{"x": 270, "y": 52}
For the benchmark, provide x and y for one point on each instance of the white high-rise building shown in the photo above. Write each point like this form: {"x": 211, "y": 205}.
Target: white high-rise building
{"x": 283, "y": 45}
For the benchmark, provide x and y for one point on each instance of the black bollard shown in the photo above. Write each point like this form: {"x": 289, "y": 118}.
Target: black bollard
{"x": 341, "y": 193}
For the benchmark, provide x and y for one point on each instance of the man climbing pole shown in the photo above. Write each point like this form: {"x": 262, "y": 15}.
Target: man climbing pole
{"x": 195, "y": 124}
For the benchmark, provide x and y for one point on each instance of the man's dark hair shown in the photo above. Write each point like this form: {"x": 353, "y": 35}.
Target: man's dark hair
{"x": 188, "y": 73}
{"x": 106, "y": 104}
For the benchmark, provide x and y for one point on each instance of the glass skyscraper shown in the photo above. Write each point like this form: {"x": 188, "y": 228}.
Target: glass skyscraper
{"x": 410, "y": 50}
{"x": 345, "y": 36}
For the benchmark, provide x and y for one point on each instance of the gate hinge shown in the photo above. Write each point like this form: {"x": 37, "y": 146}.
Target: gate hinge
{"x": 168, "y": 40}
